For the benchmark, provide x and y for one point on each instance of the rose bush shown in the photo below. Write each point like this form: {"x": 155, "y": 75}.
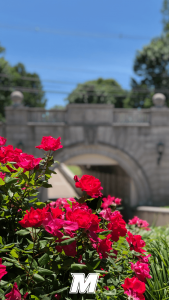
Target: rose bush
{"x": 41, "y": 244}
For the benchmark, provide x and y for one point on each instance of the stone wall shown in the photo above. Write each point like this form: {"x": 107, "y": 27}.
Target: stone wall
{"x": 128, "y": 136}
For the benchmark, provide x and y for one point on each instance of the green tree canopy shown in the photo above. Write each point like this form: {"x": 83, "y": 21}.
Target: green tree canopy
{"x": 165, "y": 12}
{"x": 105, "y": 91}
{"x": 17, "y": 76}
{"x": 152, "y": 66}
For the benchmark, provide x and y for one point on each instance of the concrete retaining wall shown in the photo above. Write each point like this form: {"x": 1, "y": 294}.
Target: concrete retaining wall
{"x": 157, "y": 216}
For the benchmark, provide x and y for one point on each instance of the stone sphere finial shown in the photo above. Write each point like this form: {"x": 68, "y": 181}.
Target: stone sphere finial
{"x": 16, "y": 98}
{"x": 159, "y": 100}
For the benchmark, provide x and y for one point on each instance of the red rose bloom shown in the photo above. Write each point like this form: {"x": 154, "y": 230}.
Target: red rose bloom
{"x": 141, "y": 270}
{"x": 57, "y": 213}
{"x": 117, "y": 225}
{"x": 104, "y": 246}
{"x": 28, "y": 162}
{"x": 2, "y": 269}
{"x": 14, "y": 294}
{"x": 110, "y": 201}
{"x": 22, "y": 160}
{"x": 2, "y": 141}
{"x": 49, "y": 143}
{"x": 139, "y": 222}
{"x": 134, "y": 288}
{"x": 70, "y": 250}
{"x": 135, "y": 242}
{"x": 90, "y": 184}
{"x": 34, "y": 218}
{"x": 84, "y": 217}
{"x": 2, "y": 175}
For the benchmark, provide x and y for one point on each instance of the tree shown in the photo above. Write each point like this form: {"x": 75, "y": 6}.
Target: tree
{"x": 103, "y": 91}
{"x": 151, "y": 64}
{"x": 165, "y": 12}
{"x": 17, "y": 77}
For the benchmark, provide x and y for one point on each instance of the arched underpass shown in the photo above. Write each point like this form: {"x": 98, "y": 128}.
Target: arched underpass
{"x": 120, "y": 175}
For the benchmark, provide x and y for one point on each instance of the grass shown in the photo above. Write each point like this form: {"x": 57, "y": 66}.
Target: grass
{"x": 76, "y": 170}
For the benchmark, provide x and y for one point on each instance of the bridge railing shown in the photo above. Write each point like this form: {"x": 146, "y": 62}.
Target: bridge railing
{"x": 119, "y": 116}
{"x": 132, "y": 116}
{"x": 51, "y": 116}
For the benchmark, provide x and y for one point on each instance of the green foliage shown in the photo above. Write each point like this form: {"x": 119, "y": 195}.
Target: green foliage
{"x": 12, "y": 78}
{"x": 100, "y": 91}
{"x": 30, "y": 254}
{"x": 151, "y": 65}
{"x": 158, "y": 286}
{"x": 165, "y": 12}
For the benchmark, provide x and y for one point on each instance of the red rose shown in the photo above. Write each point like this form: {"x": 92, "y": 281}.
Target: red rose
{"x": 2, "y": 141}
{"x": 91, "y": 185}
{"x": 104, "y": 246}
{"x": 81, "y": 214}
{"x": 135, "y": 242}
{"x": 34, "y": 218}
{"x": 14, "y": 294}
{"x": 22, "y": 160}
{"x": 57, "y": 213}
{"x": 117, "y": 225}
{"x": 141, "y": 270}
{"x": 2, "y": 175}
{"x": 2, "y": 269}
{"x": 49, "y": 143}
{"x": 28, "y": 162}
{"x": 139, "y": 222}
{"x": 70, "y": 250}
{"x": 134, "y": 288}
{"x": 110, "y": 201}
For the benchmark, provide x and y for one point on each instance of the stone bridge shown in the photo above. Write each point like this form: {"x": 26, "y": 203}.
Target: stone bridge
{"x": 136, "y": 140}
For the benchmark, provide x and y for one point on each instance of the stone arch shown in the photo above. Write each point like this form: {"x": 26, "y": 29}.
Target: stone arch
{"x": 132, "y": 168}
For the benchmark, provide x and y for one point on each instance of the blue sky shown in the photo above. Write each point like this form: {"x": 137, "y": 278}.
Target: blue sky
{"x": 72, "y": 41}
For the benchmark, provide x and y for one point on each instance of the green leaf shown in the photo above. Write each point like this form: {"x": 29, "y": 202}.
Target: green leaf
{"x": 110, "y": 293}
{"x": 7, "y": 264}
{"x": 44, "y": 271}
{"x": 43, "y": 243}
{"x": 22, "y": 232}
{"x": 105, "y": 232}
{"x": 10, "y": 193}
{"x": 30, "y": 247}
{"x": 34, "y": 297}
{"x": 46, "y": 185}
{"x": 34, "y": 264}
{"x": 38, "y": 277}
{"x": 1, "y": 182}
{"x": 43, "y": 260}
{"x": 40, "y": 204}
{"x": 78, "y": 266}
{"x": 14, "y": 253}
{"x": 55, "y": 292}
{"x": 11, "y": 180}
{"x": 67, "y": 242}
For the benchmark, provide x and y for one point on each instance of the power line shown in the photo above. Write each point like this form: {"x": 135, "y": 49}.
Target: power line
{"x": 29, "y": 78}
{"x": 81, "y": 92}
{"x": 76, "y": 34}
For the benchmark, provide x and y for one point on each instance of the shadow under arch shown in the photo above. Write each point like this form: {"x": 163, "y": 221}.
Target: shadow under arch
{"x": 131, "y": 167}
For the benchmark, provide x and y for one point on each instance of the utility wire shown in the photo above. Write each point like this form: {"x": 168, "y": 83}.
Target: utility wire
{"x": 81, "y": 92}
{"x": 76, "y": 34}
{"x": 31, "y": 78}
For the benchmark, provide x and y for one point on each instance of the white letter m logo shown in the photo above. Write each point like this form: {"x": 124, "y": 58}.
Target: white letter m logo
{"x": 82, "y": 285}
